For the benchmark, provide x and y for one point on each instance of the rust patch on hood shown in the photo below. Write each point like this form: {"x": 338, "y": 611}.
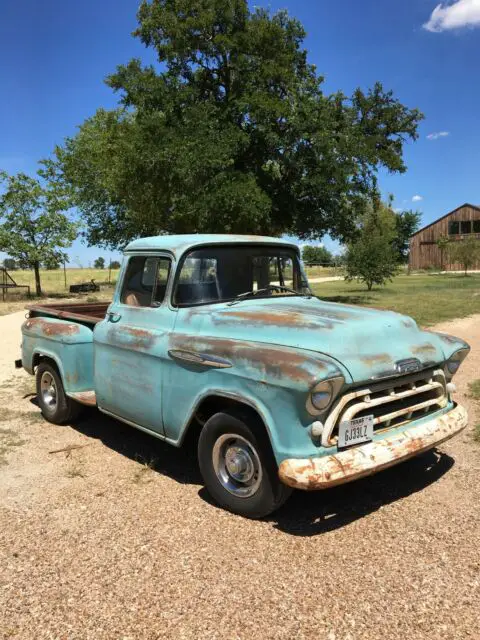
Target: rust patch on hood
{"x": 49, "y": 328}
{"x": 381, "y": 358}
{"x": 292, "y": 319}
{"x": 426, "y": 348}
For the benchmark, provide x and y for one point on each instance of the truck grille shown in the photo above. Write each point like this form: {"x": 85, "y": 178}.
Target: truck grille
{"x": 392, "y": 403}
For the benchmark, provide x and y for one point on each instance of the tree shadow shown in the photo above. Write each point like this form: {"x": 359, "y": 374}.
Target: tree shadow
{"x": 179, "y": 464}
{"x": 314, "y": 513}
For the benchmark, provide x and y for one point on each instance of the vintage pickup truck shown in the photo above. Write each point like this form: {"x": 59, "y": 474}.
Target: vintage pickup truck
{"x": 222, "y": 334}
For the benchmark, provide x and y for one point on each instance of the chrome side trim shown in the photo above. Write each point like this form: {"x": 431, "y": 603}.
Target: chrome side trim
{"x": 202, "y": 359}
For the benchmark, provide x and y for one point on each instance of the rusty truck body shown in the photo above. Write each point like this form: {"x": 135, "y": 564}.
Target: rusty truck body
{"x": 222, "y": 334}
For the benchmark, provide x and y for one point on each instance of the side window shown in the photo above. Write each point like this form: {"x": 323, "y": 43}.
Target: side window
{"x": 453, "y": 228}
{"x": 145, "y": 281}
{"x": 466, "y": 226}
{"x": 476, "y": 226}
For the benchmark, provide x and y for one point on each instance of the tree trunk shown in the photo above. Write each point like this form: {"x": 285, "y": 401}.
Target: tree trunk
{"x": 38, "y": 286}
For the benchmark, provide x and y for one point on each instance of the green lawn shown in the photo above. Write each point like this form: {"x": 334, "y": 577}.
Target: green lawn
{"x": 428, "y": 299}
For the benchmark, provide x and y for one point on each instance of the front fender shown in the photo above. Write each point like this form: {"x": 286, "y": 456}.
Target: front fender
{"x": 274, "y": 380}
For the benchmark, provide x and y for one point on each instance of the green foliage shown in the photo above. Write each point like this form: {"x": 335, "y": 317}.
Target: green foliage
{"x": 317, "y": 254}
{"x": 51, "y": 264}
{"x": 465, "y": 252}
{"x": 33, "y": 227}
{"x": 99, "y": 263}
{"x": 406, "y": 223}
{"x": 115, "y": 264}
{"x": 10, "y": 264}
{"x": 372, "y": 258}
{"x": 443, "y": 244}
{"x": 230, "y": 133}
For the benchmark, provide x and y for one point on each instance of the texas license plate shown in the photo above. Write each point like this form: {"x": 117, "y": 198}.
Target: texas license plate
{"x": 355, "y": 431}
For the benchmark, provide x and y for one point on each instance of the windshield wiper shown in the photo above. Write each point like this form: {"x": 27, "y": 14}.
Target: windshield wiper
{"x": 271, "y": 287}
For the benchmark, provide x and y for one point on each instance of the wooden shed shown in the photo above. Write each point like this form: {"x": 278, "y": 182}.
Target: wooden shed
{"x": 456, "y": 225}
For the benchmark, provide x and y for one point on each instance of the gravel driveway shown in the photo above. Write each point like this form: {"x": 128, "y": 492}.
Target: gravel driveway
{"x": 118, "y": 540}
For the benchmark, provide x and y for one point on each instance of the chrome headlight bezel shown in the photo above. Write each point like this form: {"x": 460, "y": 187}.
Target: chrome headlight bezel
{"x": 452, "y": 365}
{"x": 323, "y": 394}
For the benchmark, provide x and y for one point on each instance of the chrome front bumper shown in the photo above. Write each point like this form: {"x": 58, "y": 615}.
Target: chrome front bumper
{"x": 330, "y": 470}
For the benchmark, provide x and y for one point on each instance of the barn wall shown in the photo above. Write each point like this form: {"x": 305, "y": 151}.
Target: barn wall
{"x": 424, "y": 252}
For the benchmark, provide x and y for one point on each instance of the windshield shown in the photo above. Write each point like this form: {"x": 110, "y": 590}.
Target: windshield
{"x": 221, "y": 274}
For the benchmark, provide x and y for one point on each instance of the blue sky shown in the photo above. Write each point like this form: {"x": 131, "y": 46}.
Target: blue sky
{"x": 55, "y": 54}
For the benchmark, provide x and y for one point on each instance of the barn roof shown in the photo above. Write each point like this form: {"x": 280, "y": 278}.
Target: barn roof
{"x": 467, "y": 204}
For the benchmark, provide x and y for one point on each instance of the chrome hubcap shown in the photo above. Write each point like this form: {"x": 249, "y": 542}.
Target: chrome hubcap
{"x": 237, "y": 465}
{"x": 48, "y": 389}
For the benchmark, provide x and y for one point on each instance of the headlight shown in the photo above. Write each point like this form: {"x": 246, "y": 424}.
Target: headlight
{"x": 456, "y": 360}
{"x": 323, "y": 394}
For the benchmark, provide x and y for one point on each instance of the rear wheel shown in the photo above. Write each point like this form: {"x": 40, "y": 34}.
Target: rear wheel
{"x": 238, "y": 467}
{"x": 55, "y": 405}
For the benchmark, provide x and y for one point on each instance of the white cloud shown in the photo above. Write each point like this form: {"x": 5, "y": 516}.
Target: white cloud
{"x": 461, "y": 13}
{"x": 417, "y": 198}
{"x": 438, "y": 134}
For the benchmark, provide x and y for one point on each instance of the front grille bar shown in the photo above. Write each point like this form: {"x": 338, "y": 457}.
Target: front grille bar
{"x": 365, "y": 401}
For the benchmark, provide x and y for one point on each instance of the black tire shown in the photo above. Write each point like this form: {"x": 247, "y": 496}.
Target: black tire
{"x": 61, "y": 408}
{"x": 268, "y": 492}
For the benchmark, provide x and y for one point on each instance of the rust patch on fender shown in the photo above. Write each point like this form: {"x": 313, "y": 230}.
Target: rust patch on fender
{"x": 52, "y": 328}
{"x": 88, "y": 398}
{"x": 268, "y": 360}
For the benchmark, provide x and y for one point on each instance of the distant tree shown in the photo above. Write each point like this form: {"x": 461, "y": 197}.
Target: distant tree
{"x": 465, "y": 252}
{"x": 373, "y": 258}
{"x": 10, "y": 264}
{"x": 114, "y": 264}
{"x": 99, "y": 263}
{"x": 316, "y": 254}
{"x": 33, "y": 225}
{"x": 443, "y": 244}
{"x": 51, "y": 263}
{"x": 406, "y": 223}
{"x": 229, "y": 130}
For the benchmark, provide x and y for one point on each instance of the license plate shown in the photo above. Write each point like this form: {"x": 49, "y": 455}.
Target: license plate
{"x": 355, "y": 431}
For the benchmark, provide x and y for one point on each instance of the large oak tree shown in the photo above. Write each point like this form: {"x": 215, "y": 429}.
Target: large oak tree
{"x": 229, "y": 132}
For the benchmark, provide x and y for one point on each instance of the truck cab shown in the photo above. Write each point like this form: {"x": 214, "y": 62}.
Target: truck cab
{"x": 222, "y": 334}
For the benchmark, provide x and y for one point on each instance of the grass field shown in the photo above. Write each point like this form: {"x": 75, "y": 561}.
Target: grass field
{"x": 53, "y": 282}
{"x": 428, "y": 299}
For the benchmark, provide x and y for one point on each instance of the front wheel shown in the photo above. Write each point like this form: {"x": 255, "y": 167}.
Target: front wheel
{"x": 55, "y": 405}
{"x": 238, "y": 467}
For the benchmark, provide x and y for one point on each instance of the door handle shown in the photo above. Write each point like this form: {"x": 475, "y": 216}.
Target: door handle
{"x": 113, "y": 317}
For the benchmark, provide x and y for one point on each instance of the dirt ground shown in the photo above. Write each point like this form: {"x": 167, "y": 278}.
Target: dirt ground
{"x": 118, "y": 539}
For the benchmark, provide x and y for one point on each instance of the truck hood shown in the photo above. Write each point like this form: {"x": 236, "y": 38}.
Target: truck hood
{"x": 367, "y": 342}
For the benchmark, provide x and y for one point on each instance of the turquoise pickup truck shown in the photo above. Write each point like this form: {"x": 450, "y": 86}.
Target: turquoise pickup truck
{"x": 222, "y": 334}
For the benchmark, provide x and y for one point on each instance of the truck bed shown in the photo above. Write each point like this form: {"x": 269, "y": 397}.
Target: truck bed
{"x": 86, "y": 313}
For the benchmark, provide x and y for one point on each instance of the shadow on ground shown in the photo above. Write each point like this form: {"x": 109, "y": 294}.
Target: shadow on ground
{"x": 178, "y": 464}
{"x": 304, "y": 514}
{"x": 308, "y": 514}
